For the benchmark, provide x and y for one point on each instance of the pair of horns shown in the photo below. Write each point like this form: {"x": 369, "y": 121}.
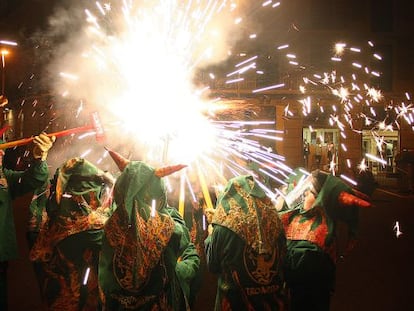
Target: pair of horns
{"x": 122, "y": 162}
{"x": 348, "y": 199}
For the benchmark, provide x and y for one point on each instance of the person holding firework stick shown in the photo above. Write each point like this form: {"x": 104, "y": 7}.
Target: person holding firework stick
{"x": 12, "y": 185}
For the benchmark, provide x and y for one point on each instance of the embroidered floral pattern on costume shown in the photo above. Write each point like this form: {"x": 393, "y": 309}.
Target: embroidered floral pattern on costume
{"x": 253, "y": 225}
{"x": 138, "y": 248}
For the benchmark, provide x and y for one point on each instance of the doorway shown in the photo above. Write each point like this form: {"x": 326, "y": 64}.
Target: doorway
{"x": 320, "y": 148}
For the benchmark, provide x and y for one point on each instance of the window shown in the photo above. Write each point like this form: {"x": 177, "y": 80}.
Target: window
{"x": 387, "y": 150}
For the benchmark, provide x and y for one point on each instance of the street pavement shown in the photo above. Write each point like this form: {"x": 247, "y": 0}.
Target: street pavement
{"x": 377, "y": 275}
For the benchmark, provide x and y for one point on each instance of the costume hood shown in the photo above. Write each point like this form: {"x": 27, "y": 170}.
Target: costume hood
{"x": 79, "y": 176}
{"x": 140, "y": 228}
{"x": 244, "y": 208}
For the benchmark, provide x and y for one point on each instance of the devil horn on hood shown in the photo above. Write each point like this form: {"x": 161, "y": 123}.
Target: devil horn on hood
{"x": 168, "y": 170}
{"x": 119, "y": 160}
{"x": 348, "y": 199}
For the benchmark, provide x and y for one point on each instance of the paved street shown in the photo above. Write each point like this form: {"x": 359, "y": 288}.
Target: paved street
{"x": 377, "y": 275}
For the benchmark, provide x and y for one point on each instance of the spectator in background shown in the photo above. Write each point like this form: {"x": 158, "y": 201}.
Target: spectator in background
{"x": 318, "y": 153}
{"x": 330, "y": 152}
{"x": 306, "y": 152}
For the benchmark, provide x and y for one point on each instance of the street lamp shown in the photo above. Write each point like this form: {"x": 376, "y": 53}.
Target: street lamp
{"x": 3, "y": 53}
{"x": 3, "y": 99}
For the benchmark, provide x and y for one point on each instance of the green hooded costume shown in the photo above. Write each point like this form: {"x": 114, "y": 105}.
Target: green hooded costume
{"x": 69, "y": 244}
{"x": 147, "y": 261}
{"x": 246, "y": 249}
{"x": 311, "y": 238}
{"x": 37, "y": 210}
{"x": 12, "y": 185}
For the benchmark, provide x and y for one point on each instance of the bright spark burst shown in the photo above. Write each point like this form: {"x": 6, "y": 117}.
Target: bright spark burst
{"x": 146, "y": 70}
{"x": 138, "y": 69}
{"x": 362, "y": 166}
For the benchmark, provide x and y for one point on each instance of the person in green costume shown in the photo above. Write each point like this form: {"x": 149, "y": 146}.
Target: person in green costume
{"x": 37, "y": 212}
{"x": 205, "y": 285}
{"x": 37, "y": 220}
{"x": 147, "y": 260}
{"x": 68, "y": 245}
{"x": 312, "y": 209}
{"x": 246, "y": 249}
{"x": 12, "y": 185}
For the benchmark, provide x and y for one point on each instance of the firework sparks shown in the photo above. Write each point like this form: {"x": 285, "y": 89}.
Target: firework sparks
{"x": 375, "y": 158}
{"x": 86, "y": 276}
{"x": 348, "y": 179}
{"x": 140, "y": 62}
{"x": 362, "y": 166}
{"x": 153, "y": 207}
{"x": 397, "y": 230}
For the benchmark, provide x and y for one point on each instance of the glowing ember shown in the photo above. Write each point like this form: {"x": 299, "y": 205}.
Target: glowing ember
{"x": 397, "y": 229}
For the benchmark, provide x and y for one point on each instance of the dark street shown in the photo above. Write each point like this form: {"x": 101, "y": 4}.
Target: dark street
{"x": 378, "y": 274}
{"x": 375, "y": 276}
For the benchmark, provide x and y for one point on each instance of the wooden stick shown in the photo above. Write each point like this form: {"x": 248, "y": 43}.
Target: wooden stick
{"x": 96, "y": 126}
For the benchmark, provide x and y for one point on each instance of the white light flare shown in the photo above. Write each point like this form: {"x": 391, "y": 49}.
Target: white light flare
{"x": 143, "y": 76}
{"x": 348, "y": 179}
{"x": 339, "y": 48}
{"x": 86, "y": 276}
{"x": 276, "y": 86}
{"x": 397, "y": 230}
{"x": 7, "y": 42}
{"x": 153, "y": 207}
{"x": 375, "y": 158}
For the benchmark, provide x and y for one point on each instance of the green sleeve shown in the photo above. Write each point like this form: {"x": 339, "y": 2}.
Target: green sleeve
{"x": 22, "y": 182}
{"x": 215, "y": 246}
{"x": 188, "y": 265}
{"x": 188, "y": 270}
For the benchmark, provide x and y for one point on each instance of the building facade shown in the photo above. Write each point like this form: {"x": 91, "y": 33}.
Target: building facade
{"x": 382, "y": 29}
